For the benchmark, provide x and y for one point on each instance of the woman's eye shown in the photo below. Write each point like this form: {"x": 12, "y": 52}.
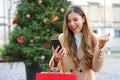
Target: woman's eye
{"x": 75, "y": 19}
{"x": 68, "y": 21}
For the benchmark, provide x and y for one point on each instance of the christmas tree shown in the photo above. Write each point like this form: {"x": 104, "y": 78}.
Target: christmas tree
{"x": 36, "y": 22}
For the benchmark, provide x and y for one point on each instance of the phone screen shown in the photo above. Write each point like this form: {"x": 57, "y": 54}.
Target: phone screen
{"x": 55, "y": 43}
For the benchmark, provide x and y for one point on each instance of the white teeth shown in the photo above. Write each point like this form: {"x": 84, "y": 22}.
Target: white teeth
{"x": 74, "y": 27}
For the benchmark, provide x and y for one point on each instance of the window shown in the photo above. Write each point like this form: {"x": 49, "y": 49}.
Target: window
{"x": 2, "y": 22}
{"x": 116, "y": 12}
{"x": 93, "y": 11}
{"x": 2, "y": 12}
{"x": 117, "y": 34}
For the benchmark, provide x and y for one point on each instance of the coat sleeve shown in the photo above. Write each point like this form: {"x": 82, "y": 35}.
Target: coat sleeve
{"x": 98, "y": 58}
{"x": 53, "y": 67}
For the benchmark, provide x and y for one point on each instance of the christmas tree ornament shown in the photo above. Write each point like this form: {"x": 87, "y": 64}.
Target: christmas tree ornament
{"x": 4, "y": 59}
{"x": 54, "y": 19}
{"x": 14, "y": 20}
{"x": 20, "y": 39}
{"x": 42, "y": 57}
{"x": 46, "y": 45}
{"x": 28, "y": 16}
{"x": 44, "y": 21}
{"x": 62, "y": 10}
{"x": 39, "y": 2}
{"x": 55, "y": 35}
{"x": 31, "y": 41}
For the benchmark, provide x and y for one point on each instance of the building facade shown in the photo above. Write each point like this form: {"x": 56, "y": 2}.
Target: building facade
{"x": 104, "y": 17}
{"x": 7, "y": 13}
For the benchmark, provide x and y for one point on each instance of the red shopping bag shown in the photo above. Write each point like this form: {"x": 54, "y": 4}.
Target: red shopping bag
{"x": 56, "y": 76}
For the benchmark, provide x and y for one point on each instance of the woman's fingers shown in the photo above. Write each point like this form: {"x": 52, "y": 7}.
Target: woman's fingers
{"x": 106, "y": 37}
{"x": 60, "y": 53}
{"x": 103, "y": 39}
{"x": 53, "y": 49}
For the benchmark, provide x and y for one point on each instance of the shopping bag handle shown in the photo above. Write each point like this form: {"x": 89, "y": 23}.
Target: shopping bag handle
{"x": 61, "y": 65}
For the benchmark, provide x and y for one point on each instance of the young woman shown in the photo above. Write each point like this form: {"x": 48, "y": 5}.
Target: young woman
{"x": 82, "y": 51}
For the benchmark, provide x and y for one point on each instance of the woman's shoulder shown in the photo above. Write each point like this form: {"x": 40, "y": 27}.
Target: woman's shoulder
{"x": 60, "y": 36}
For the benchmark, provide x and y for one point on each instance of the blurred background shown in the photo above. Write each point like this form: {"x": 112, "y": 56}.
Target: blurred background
{"x": 104, "y": 17}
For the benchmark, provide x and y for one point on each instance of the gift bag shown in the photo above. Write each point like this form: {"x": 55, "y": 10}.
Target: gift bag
{"x": 55, "y": 76}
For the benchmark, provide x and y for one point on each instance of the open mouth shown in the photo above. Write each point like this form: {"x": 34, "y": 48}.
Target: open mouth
{"x": 73, "y": 28}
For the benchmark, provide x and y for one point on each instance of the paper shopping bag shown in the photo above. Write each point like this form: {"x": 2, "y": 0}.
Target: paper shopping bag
{"x": 55, "y": 76}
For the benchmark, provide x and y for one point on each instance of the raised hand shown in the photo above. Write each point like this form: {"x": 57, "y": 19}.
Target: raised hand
{"x": 103, "y": 39}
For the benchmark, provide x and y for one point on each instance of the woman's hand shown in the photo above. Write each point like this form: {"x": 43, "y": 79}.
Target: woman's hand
{"x": 58, "y": 54}
{"x": 103, "y": 39}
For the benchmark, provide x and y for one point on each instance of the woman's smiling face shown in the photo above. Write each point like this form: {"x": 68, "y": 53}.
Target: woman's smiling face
{"x": 75, "y": 22}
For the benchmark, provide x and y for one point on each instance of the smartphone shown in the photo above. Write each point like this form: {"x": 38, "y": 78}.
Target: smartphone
{"x": 55, "y": 43}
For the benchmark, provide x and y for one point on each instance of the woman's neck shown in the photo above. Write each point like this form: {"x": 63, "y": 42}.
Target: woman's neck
{"x": 78, "y": 38}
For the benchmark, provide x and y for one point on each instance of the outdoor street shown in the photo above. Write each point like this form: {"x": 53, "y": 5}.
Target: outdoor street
{"x": 111, "y": 68}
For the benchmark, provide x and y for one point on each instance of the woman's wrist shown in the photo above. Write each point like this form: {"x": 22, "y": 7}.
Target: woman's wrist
{"x": 101, "y": 44}
{"x": 56, "y": 61}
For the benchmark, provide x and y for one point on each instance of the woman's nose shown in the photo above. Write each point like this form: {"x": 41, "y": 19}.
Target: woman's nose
{"x": 72, "y": 23}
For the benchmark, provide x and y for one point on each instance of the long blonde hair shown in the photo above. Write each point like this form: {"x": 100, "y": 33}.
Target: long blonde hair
{"x": 88, "y": 42}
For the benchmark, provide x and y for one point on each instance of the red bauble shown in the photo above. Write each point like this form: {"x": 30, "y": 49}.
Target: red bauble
{"x": 46, "y": 45}
{"x": 20, "y": 39}
{"x": 54, "y": 19}
{"x": 14, "y": 20}
{"x": 62, "y": 10}
{"x": 28, "y": 16}
{"x": 4, "y": 59}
